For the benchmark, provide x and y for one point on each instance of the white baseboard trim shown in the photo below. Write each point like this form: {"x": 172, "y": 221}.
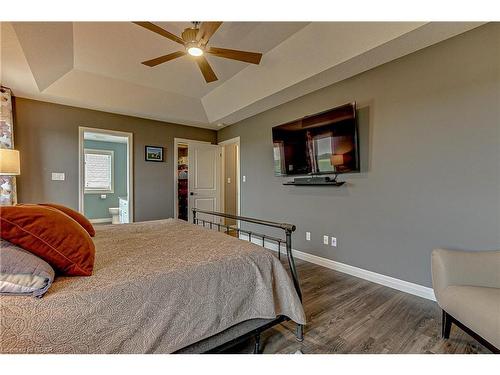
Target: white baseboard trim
{"x": 100, "y": 221}
{"x": 391, "y": 282}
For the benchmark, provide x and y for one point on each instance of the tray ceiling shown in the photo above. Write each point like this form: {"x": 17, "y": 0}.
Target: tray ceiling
{"x": 97, "y": 64}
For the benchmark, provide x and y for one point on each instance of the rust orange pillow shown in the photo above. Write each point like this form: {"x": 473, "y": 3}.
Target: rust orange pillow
{"x": 51, "y": 235}
{"x": 75, "y": 215}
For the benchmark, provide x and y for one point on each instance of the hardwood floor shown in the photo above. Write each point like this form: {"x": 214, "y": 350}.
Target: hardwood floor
{"x": 346, "y": 314}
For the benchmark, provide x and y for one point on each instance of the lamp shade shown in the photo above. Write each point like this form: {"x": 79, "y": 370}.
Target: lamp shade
{"x": 9, "y": 162}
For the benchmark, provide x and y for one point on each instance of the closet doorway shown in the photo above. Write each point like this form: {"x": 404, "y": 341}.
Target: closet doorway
{"x": 197, "y": 178}
{"x": 182, "y": 181}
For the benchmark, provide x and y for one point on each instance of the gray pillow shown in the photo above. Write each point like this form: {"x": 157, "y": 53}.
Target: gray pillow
{"x": 22, "y": 272}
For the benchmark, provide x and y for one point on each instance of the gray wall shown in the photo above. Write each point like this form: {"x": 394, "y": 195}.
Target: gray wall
{"x": 47, "y": 136}
{"x": 94, "y": 206}
{"x": 230, "y": 191}
{"x": 430, "y": 154}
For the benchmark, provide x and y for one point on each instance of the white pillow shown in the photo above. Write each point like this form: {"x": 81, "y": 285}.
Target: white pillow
{"x": 22, "y": 272}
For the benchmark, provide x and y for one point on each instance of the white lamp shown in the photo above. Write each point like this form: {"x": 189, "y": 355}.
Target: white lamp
{"x": 9, "y": 162}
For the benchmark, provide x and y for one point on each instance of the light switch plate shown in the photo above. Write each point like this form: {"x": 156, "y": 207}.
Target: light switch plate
{"x": 308, "y": 236}
{"x": 229, "y": 180}
{"x": 58, "y": 176}
{"x": 244, "y": 178}
{"x": 325, "y": 240}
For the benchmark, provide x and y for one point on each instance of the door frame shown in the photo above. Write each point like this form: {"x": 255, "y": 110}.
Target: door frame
{"x": 130, "y": 166}
{"x": 235, "y": 140}
{"x": 176, "y": 181}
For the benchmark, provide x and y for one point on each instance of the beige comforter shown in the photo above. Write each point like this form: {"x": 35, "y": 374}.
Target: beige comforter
{"x": 157, "y": 287}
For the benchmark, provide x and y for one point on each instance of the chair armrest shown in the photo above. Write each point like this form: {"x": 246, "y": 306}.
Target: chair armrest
{"x": 473, "y": 268}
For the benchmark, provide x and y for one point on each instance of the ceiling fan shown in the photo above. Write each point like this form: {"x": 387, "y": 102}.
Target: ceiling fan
{"x": 195, "y": 40}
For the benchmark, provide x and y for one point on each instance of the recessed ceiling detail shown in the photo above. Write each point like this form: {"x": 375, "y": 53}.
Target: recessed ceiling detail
{"x": 194, "y": 41}
{"x": 48, "y": 47}
{"x": 96, "y": 65}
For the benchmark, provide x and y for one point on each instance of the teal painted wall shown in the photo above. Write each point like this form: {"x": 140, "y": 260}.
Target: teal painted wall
{"x": 94, "y": 206}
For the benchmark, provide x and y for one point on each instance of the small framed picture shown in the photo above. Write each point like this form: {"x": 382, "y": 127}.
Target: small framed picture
{"x": 154, "y": 153}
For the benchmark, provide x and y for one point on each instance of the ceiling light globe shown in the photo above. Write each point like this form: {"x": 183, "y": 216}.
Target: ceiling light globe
{"x": 195, "y": 51}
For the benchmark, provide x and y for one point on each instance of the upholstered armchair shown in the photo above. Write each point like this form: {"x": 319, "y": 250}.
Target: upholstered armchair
{"x": 467, "y": 288}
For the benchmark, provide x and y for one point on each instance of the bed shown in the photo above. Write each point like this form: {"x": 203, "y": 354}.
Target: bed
{"x": 158, "y": 287}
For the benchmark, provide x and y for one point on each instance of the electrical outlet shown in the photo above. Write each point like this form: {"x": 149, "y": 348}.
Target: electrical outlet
{"x": 308, "y": 236}
{"x": 334, "y": 241}
{"x": 325, "y": 240}
{"x": 229, "y": 180}
{"x": 244, "y": 178}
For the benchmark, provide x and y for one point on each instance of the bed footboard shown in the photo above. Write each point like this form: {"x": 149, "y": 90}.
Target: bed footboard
{"x": 256, "y": 237}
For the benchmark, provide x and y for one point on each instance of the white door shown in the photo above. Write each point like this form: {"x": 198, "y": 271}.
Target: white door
{"x": 204, "y": 179}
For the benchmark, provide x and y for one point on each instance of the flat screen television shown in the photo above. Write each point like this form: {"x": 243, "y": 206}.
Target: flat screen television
{"x": 324, "y": 143}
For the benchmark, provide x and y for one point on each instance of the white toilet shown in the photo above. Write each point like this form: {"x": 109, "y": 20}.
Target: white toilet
{"x": 115, "y": 215}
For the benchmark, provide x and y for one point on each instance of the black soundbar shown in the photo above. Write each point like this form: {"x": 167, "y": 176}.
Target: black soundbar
{"x": 312, "y": 180}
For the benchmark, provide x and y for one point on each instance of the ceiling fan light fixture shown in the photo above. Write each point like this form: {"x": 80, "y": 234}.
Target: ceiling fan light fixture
{"x": 194, "y": 50}
{"x": 195, "y": 40}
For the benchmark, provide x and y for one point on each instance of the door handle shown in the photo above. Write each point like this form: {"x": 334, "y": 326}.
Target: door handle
{"x": 192, "y": 193}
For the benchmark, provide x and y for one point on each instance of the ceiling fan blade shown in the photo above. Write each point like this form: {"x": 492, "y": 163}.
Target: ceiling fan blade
{"x": 249, "y": 57}
{"x": 206, "y": 69}
{"x": 157, "y": 29}
{"x": 206, "y": 30}
{"x": 164, "y": 58}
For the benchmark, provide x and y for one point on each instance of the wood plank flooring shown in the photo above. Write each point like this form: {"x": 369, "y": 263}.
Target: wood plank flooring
{"x": 346, "y": 314}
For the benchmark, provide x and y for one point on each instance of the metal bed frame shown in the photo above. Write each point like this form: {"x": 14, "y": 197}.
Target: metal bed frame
{"x": 288, "y": 229}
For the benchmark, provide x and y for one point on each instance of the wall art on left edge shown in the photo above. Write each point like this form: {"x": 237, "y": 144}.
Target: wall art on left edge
{"x": 8, "y": 194}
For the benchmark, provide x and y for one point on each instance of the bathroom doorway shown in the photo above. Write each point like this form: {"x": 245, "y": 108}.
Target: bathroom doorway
{"x": 106, "y": 175}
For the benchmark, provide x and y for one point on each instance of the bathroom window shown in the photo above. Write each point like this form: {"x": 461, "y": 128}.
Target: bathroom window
{"x": 99, "y": 171}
